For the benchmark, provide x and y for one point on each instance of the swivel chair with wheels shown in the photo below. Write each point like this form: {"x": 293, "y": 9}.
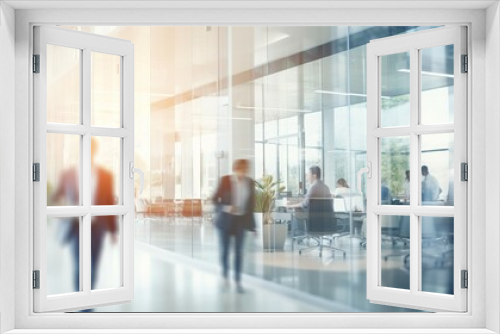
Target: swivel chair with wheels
{"x": 321, "y": 223}
{"x": 402, "y": 234}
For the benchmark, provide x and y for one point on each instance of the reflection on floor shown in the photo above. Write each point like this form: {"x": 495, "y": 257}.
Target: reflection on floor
{"x": 166, "y": 282}
{"x": 177, "y": 271}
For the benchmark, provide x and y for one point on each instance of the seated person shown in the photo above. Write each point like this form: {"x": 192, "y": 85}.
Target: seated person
{"x": 317, "y": 189}
{"x": 385, "y": 194}
{"x": 342, "y": 188}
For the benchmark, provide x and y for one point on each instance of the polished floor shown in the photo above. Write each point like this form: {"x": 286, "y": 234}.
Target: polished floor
{"x": 166, "y": 282}
{"x": 177, "y": 271}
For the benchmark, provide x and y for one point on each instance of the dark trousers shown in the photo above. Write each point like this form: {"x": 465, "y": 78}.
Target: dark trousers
{"x": 97, "y": 237}
{"x": 236, "y": 232}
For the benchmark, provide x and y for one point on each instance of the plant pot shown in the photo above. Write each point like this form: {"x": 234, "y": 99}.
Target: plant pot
{"x": 258, "y": 228}
{"x": 271, "y": 236}
{"x": 274, "y": 236}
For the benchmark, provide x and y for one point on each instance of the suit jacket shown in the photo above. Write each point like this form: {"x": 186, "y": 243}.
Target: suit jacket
{"x": 223, "y": 196}
{"x": 317, "y": 190}
{"x": 68, "y": 187}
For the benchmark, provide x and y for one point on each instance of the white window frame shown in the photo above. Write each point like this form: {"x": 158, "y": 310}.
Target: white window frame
{"x": 475, "y": 320}
{"x": 413, "y": 43}
{"x": 86, "y": 44}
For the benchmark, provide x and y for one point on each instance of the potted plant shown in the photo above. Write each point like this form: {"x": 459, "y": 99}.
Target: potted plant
{"x": 273, "y": 235}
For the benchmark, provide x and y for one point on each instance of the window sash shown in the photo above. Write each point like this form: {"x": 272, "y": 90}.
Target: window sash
{"x": 86, "y": 44}
{"x": 414, "y": 298}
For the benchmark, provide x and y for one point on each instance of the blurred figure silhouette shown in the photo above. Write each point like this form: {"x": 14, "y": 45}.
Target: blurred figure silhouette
{"x": 385, "y": 193}
{"x": 407, "y": 186}
{"x": 342, "y": 187}
{"x": 234, "y": 201}
{"x": 102, "y": 194}
{"x": 430, "y": 186}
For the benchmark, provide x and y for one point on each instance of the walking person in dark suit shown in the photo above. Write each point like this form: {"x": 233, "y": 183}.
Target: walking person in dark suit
{"x": 102, "y": 194}
{"x": 234, "y": 201}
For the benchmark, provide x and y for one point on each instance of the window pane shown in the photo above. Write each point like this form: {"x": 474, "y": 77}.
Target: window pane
{"x": 437, "y": 169}
{"x": 270, "y": 129}
{"x": 63, "y": 169}
{"x": 313, "y": 126}
{"x": 395, "y": 251}
{"x": 437, "y": 254}
{"x": 288, "y": 126}
{"x": 395, "y": 89}
{"x": 437, "y": 85}
{"x": 63, "y": 255}
{"x": 313, "y": 157}
{"x": 105, "y": 175}
{"x": 106, "y": 240}
{"x": 106, "y": 90}
{"x": 259, "y": 160}
{"x": 259, "y": 134}
{"x": 63, "y": 84}
{"x": 293, "y": 166}
{"x": 270, "y": 163}
{"x": 394, "y": 170}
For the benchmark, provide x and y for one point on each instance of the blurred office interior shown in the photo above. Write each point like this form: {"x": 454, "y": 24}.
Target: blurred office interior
{"x": 286, "y": 98}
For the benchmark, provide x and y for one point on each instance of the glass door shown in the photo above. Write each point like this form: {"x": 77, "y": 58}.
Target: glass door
{"x": 417, "y": 142}
{"x": 84, "y": 150}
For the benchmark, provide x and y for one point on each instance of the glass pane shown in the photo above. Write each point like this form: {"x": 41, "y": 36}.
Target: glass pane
{"x": 437, "y": 85}
{"x": 270, "y": 129}
{"x": 63, "y": 84}
{"x": 106, "y": 238}
{"x": 437, "y": 254}
{"x": 259, "y": 132}
{"x": 395, "y": 251}
{"x": 394, "y": 170}
{"x": 395, "y": 90}
{"x": 313, "y": 126}
{"x": 288, "y": 126}
{"x": 270, "y": 162}
{"x": 106, "y": 90}
{"x": 63, "y": 169}
{"x": 437, "y": 169}
{"x": 63, "y": 255}
{"x": 106, "y": 155}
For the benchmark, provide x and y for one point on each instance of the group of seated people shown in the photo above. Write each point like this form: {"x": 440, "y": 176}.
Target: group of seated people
{"x": 319, "y": 190}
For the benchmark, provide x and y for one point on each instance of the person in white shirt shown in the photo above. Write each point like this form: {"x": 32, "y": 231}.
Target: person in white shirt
{"x": 407, "y": 187}
{"x": 430, "y": 186}
{"x": 342, "y": 187}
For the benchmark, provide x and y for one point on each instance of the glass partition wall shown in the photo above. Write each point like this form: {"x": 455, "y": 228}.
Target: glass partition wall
{"x": 286, "y": 98}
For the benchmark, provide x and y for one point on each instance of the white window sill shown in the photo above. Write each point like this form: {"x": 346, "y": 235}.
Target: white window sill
{"x": 248, "y": 331}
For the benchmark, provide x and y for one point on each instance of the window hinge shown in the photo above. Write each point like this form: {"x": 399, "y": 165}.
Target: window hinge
{"x": 36, "y": 279}
{"x": 465, "y": 64}
{"x": 36, "y": 63}
{"x": 464, "y": 172}
{"x": 36, "y": 172}
{"x": 465, "y": 279}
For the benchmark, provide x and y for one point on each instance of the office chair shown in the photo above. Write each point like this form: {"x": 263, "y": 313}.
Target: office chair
{"x": 402, "y": 235}
{"x": 321, "y": 223}
{"x": 298, "y": 226}
{"x": 436, "y": 232}
{"x": 438, "y": 240}
{"x": 349, "y": 209}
